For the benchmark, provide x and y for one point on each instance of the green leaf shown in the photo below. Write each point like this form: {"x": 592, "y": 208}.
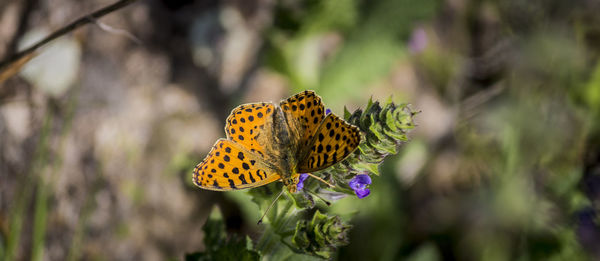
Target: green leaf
{"x": 214, "y": 229}
{"x": 390, "y": 120}
{"x": 301, "y": 200}
{"x": 371, "y": 167}
{"x": 400, "y": 136}
{"x": 346, "y": 113}
{"x": 236, "y": 249}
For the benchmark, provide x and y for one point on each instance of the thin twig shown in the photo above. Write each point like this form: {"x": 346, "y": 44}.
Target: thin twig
{"x": 90, "y": 18}
{"x": 117, "y": 31}
{"x": 25, "y": 12}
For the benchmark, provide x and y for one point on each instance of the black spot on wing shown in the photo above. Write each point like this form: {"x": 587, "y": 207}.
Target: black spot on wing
{"x": 243, "y": 179}
{"x": 258, "y": 174}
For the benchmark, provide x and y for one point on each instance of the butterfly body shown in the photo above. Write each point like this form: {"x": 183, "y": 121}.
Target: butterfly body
{"x": 268, "y": 142}
{"x": 276, "y": 136}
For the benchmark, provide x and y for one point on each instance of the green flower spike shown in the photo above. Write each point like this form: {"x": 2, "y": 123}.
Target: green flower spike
{"x": 321, "y": 236}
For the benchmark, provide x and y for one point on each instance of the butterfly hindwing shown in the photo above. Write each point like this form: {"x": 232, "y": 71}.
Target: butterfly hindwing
{"x": 246, "y": 121}
{"x": 334, "y": 140}
{"x": 229, "y": 166}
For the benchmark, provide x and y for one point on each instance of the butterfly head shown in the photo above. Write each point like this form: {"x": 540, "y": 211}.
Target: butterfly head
{"x": 291, "y": 183}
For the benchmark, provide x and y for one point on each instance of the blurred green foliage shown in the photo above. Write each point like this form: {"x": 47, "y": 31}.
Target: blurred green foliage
{"x": 374, "y": 34}
{"x": 505, "y": 181}
{"x": 220, "y": 246}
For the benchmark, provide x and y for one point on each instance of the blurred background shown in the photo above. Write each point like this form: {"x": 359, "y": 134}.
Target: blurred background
{"x": 100, "y": 132}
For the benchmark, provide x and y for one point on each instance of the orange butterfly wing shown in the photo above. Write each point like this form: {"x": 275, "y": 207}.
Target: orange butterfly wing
{"x": 334, "y": 140}
{"x": 304, "y": 113}
{"x": 229, "y": 166}
{"x": 245, "y": 123}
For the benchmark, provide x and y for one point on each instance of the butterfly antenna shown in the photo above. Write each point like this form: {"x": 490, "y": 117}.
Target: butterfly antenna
{"x": 319, "y": 197}
{"x": 269, "y": 208}
{"x": 320, "y": 179}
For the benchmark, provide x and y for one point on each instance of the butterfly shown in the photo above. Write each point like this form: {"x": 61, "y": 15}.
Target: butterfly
{"x": 268, "y": 142}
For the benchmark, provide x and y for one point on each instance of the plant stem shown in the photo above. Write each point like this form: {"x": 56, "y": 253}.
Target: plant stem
{"x": 18, "y": 216}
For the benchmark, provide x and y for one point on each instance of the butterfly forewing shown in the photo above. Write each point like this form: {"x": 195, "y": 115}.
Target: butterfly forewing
{"x": 304, "y": 112}
{"x": 334, "y": 140}
{"x": 229, "y": 166}
{"x": 245, "y": 123}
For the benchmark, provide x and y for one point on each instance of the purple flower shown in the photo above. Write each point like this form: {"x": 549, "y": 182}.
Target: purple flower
{"x": 301, "y": 180}
{"x": 418, "y": 41}
{"x": 359, "y": 185}
{"x": 327, "y": 111}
